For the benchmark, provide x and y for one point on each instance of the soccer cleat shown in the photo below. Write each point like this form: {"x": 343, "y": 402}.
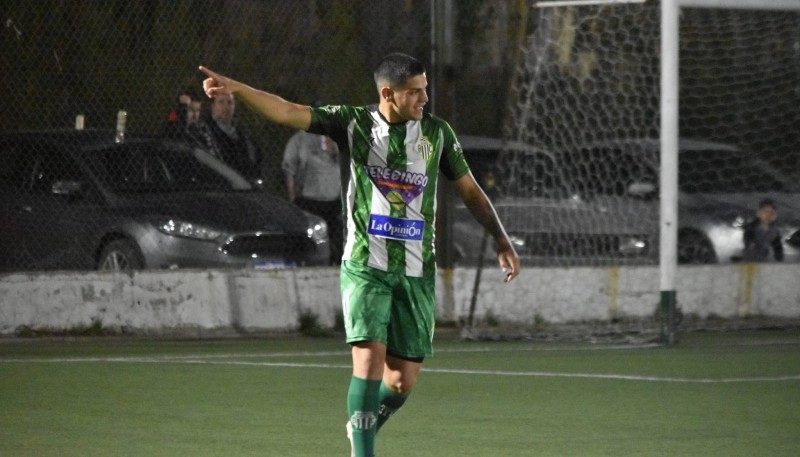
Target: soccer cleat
{"x": 349, "y": 428}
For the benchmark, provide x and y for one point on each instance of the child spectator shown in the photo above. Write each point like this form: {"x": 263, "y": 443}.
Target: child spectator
{"x": 762, "y": 236}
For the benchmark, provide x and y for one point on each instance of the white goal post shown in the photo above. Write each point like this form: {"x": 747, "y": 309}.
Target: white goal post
{"x": 670, "y": 17}
{"x": 595, "y": 99}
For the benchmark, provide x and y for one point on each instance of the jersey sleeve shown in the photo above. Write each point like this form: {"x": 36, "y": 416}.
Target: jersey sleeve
{"x": 331, "y": 120}
{"x": 452, "y": 163}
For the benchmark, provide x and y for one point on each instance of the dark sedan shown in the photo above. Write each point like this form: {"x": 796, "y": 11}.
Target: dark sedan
{"x": 79, "y": 200}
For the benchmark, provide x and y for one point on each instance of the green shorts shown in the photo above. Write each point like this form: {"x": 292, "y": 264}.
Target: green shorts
{"x": 389, "y": 308}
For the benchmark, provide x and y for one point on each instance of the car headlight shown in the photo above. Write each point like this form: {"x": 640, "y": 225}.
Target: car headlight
{"x": 317, "y": 229}
{"x": 517, "y": 240}
{"x": 737, "y": 222}
{"x": 632, "y": 245}
{"x": 185, "y": 229}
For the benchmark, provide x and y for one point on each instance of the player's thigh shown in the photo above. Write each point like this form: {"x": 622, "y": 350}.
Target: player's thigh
{"x": 413, "y": 319}
{"x": 366, "y": 303}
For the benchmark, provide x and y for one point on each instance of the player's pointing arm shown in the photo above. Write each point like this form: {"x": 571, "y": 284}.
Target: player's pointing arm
{"x": 271, "y": 106}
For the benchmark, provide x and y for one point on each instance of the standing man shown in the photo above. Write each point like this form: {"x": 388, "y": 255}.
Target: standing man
{"x": 183, "y": 116}
{"x": 313, "y": 181}
{"x": 230, "y": 142}
{"x": 394, "y": 152}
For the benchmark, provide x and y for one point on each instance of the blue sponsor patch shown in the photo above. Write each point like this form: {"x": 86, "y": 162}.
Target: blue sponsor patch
{"x": 395, "y": 228}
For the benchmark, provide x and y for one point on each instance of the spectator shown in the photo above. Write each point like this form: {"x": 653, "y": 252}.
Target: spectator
{"x": 313, "y": 181}
{"x": 762, "y": 236}
{"x": 230, "y": 142}
{"x": 184, "y": 116}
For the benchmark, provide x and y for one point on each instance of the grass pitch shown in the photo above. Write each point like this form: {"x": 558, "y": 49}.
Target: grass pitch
{"x": 714, "y": 394}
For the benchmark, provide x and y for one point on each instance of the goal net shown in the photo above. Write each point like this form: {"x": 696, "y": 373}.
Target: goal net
{"x": 586, "y": 95}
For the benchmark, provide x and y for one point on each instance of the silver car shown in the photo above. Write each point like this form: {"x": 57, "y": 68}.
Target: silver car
{"x": 719, "y": 186}
{"x": 549, "y": 222}
{"x": 598, "y": 205}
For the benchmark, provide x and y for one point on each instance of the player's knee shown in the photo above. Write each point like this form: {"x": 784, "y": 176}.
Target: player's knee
{"x": 401, "y": 385}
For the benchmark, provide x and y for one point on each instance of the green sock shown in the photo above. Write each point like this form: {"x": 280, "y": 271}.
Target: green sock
{"x": 390, "y": 402}
{"x": 362, "y": 408}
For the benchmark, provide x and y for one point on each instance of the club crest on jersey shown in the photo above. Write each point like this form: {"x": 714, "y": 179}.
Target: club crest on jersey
{"x": 424, "y": 148}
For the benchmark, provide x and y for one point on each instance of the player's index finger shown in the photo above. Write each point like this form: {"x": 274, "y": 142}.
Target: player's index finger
{"x": 207, "y": 71}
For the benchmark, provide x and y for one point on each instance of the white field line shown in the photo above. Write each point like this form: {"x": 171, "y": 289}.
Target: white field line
{"x": 621, "y": 377}
{"x": 541, "y": 374}
{"x": 344, "y": 353}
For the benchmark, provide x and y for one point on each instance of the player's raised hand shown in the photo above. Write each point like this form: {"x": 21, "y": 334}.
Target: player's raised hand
{"x": 509, "y": 262}
{"x": 215, "y": 83}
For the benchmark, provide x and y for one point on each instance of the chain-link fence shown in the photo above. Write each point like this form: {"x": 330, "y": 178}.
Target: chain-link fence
{"x": 588, "y": 102}
{"x": 81, "y": 200}
{"x": 575, "y": 85}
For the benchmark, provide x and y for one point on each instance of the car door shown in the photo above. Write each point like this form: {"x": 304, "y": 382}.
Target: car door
{"x": 48, "y": 221}
{"x": 9, "y": 186}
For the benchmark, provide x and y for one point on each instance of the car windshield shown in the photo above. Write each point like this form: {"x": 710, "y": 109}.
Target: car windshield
{"x": 607, "y": 171}
{"x": 143, "y": 167}
{"x": 514, "y": 173}
{"x": 724, "y": 172}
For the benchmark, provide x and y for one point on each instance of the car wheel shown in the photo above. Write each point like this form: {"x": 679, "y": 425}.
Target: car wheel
{"x": 120, "y": 255}
{"x": 694, "y": 248}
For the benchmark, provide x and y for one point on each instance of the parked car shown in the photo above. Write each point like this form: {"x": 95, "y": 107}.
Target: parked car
{"x": 598, "y": 205}
{"x": 546, "y": 218}
{"x": 719, "y": 187}
{"x": 78, "y": 200}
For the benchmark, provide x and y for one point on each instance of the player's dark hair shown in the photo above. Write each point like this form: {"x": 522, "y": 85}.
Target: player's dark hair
{"x": 397, "y": 68}
{"x": 767, "y": 202}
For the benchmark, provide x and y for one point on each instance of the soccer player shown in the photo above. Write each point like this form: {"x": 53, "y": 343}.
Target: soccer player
{"x": 392, "y": 153}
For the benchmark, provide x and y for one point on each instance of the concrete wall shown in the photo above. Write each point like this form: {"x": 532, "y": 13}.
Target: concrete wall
{"x": 223, "y": 300}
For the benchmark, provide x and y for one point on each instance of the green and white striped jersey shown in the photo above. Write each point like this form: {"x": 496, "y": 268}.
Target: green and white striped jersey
{"x": 389, "y": 184}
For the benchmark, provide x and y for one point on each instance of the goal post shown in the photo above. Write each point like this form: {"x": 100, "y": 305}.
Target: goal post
{"x": 617, "y": 92}
{"x": 668, "y": 220}
{"x": 669, "y": 101}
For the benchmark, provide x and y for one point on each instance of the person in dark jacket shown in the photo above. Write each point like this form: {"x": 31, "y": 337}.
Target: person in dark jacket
{"x": 762, "y": 236}
{"x": 184, "y": 122}
{"x": 230, "y": 141}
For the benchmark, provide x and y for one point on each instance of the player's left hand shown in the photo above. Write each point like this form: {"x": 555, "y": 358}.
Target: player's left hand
{"x": 509, "y": 262}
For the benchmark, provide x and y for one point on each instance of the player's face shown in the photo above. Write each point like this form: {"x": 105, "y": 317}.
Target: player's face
{"x": 410, "y": 99}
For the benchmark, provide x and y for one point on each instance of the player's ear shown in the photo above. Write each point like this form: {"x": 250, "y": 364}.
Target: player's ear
{"x": 387, "y": 93}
